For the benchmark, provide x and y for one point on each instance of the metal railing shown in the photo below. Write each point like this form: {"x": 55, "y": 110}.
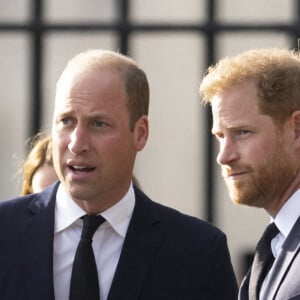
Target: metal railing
{"x": 124, "y": 27}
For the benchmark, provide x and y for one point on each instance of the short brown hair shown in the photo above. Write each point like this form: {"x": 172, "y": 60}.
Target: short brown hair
{"x": 276, "y": 73}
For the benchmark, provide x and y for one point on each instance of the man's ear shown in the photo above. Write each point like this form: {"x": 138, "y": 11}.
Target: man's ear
{"x": 141, "y": 132}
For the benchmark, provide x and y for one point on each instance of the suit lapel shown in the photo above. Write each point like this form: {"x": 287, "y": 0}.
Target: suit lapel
{"x": 36, "y": 235}
{"x": 143, "y": 239}
{"x": 244, "y": 288}
{"x": 282, "y": 263}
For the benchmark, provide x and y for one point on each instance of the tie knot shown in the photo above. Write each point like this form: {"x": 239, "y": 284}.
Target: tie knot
{"x": 90, "y": 225}
{"x": 270, "y": 232}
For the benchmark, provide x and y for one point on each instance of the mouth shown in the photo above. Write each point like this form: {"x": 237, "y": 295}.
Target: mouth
{"x": 234, "y": 175}
{"x": 79, "y": 169}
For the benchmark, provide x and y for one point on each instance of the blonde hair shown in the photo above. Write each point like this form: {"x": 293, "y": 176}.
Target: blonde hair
{"x": 276, "y": 73}
{"x": 40, "y": 153}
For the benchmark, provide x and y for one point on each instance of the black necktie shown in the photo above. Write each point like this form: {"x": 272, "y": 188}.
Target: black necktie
{"x": 262, "y": 262}
{"x": 84, "y": 279}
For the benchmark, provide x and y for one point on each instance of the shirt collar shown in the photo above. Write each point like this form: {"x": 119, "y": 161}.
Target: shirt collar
{"x": 118, "y": 216}
{"x": 288, "y": 214}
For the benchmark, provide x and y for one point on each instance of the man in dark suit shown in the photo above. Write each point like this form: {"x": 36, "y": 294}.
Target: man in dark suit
{"x": 142, "y": 250}
{"x": 255, "y": 100}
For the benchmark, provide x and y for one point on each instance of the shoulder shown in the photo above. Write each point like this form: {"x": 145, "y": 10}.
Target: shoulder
{"x": 32, "y": 203}
{"x": 178, "y": 223}
{"x": 12, "y": 212}
{"x": 199, "y": 247}
{"x": 15, "y": 203}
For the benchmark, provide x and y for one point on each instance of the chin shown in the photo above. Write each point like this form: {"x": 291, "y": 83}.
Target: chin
{"x": 248, "y": 202}
{"x": 239, "y": 199}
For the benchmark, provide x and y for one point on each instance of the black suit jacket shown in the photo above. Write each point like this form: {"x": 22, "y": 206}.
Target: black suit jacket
{"x": 166, "y": 254}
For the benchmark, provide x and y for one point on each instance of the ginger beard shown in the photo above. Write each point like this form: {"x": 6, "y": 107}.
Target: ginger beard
{"x": 264, "y": 183}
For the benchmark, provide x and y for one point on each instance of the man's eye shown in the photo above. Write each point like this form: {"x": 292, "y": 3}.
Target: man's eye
{"x": 66, "y": 121}
{"x": 243, "y": 133}
{"x": 99, "y": 124}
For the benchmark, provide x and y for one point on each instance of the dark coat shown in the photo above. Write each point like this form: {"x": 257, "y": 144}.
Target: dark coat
{"x": 166, "y": 254}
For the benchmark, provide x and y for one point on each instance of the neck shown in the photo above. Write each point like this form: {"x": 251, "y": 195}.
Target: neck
{"x": 274, "y": 207}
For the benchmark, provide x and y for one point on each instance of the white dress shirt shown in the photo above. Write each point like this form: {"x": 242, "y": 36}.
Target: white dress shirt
{"x": 107, "y": 241}
{"x": 284, "y": 220}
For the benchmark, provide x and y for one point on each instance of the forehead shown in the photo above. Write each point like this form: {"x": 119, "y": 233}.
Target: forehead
{"x": 237, "y": 104}
{"x": 88, "y": 87}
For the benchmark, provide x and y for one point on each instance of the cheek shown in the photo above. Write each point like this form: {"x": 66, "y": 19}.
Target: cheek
{"x": 59, "y": 147}
{"x": 261, "y": 150}
{"x": 55, "y": 158}
{"x": 60, "y": 141}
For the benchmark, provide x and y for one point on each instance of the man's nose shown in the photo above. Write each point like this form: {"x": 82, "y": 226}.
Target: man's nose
{"x": 227, "y": 152}
{"x": 78, "y": 141}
